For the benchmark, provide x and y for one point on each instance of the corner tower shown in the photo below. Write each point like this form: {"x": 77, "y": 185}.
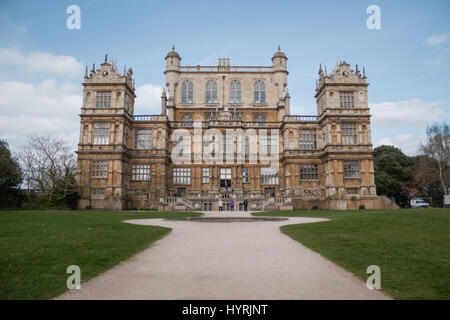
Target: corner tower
{"x": 172, "y": 74}
{"x": 106, "y": 116}
{"x": 344, "y": 117}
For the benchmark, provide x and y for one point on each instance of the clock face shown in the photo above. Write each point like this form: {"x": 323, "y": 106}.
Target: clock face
{"x": 105, "y": 73}
{"x": 345, "y": 73}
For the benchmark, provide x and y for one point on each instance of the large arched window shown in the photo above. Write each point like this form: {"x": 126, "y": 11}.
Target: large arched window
{"x": 235, "y": 91}
{"x": 187, "y": 91}
{"x": 259, "y": 90}
{"x": 211, "y": 91}
{"x": 186, "y": 121}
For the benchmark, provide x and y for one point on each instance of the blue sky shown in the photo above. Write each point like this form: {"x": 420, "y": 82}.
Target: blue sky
{"x": 407, "y": 61}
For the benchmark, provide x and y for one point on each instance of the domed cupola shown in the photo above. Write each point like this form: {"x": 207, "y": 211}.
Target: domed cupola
{"x": 173, "y": 54}
{"x": 279, "y": 54}
{"x": 279, "y": 61}
{"x": 173, "y": 60}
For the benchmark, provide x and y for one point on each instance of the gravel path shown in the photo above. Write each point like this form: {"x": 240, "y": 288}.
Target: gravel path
{"x": 226, "y": 260}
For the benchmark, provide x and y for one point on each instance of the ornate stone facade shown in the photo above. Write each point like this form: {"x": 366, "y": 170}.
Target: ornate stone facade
{"x": 125, "y": 160}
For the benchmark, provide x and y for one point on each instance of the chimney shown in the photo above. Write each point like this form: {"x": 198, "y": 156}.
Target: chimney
{"x": 163, "y": 102}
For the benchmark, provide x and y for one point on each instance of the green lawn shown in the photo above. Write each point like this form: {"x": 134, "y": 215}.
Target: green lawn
{"x": 412, "y": 247}
{"x": 36, "y": 247}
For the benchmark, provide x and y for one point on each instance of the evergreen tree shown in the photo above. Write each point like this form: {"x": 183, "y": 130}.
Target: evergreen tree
{"x": 393, "y": 173}
{"x": 10, "y": 178}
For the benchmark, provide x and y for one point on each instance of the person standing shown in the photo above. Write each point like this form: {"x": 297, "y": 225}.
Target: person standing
{"x": 245, "y": 204}
{"x": 220, "y": 204}
{"x": 231, "y": 205}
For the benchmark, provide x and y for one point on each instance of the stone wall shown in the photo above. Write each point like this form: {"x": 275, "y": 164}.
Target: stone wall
{"x": 378, "y": 202}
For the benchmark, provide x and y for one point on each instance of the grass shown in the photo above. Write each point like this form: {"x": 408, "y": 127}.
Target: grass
{"x": 412, "y": 247}
{"x": 36, "y": 247}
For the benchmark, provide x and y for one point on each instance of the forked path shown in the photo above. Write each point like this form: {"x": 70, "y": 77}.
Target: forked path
{"x": 226, "y": 260}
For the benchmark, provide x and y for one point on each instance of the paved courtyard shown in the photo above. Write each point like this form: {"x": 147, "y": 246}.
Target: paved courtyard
{"x": 226, "y": 260}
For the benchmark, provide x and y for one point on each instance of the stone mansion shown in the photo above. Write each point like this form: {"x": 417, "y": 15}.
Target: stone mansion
{"x": 325, "y": 160}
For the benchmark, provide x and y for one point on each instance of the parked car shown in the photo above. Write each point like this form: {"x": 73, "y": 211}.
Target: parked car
{"x": 419, "y": 203}
{"x": 447, "y": 201}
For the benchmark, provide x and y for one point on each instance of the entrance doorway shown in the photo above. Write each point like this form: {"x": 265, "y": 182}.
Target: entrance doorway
{"x": 270, "y": 192}
{"x": 181, "y": 192}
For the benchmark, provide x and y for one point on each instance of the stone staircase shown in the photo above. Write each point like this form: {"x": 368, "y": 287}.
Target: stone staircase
{"x": 176, "y": 203}
{"x": 256, "y": 202}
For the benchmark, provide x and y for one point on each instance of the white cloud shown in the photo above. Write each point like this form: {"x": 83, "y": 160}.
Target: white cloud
{"x": 414, "y": 112}
{"x": 41, "y": 62}
{"x": 148, "y": 99}
{"x": 405, "y": 122}
{"x": 437, "y": 39}
{"x": 46, "y": 109}
{"x": 50, "y": 108}
{"x": 408, "y": 143}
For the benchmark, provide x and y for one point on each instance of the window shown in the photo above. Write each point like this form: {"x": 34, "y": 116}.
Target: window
{"x": 348, "y": 133}
{"x": 225, "y": 177}
{"x": 99, "y": 169}
{"x": 309, "y": 172}
{"x": 268, "y": 142}
{"x": 235, "y": 91}
{"x": 260, "y": 118}
{"x": 101, "y": 133}
{"x": 211, "y": 91}
{"x": 141, "y": 172}
{"x": 269, "y": 176}
{"x": 143, "y": 139}
{"x": 209, "y": 143}
{"x": 211, "y": 116}
{"x": 245, "y": 176}
{"x": 347, "y": 99}
{"x": 308, "y": 141}
{"x": 247, "y": 146}
{"x": 352, "y": 191}
{"x": 186, "y": 148}
{"x": 186, "y": 121}
{"x": 181, "y": 175}
{"x": 103, "y": 99}
{"x": 259, "y": 90}
{"x": 98, "y": 191}
{"x": 187, "y": 92}
{"x": 227, "y": 144}
{"x": 205, "y": 175}
{"x": 351, "y": 169}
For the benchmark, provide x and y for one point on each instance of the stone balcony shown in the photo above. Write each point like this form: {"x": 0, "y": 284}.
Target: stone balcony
{"x": 149, "y": 117}
{"x": 223, "y": 68}
{"x": 300, "y": 118}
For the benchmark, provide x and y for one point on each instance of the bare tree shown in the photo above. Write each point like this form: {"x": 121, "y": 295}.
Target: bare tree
{"x": 434, "y": 163}
{"x": 49, "y": 165}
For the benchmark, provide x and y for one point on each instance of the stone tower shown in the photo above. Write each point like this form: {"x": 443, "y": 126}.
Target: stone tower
{"x": 106, "y": 114}
{"x": 344, "y": 114}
